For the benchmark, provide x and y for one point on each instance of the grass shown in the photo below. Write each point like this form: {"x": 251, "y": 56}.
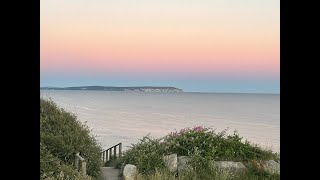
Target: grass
{"x": 206, "y": 174}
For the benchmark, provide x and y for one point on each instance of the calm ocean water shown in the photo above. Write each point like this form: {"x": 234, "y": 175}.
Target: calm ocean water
{"x": 127, "y": 116}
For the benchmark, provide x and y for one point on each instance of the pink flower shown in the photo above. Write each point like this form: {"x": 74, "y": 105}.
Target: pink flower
{"x": 197, "y": 128}
{"x": 174, "y": 133}
{"x": 183, "y": 131}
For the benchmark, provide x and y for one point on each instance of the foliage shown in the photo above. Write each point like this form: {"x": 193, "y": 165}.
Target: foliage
{"x": 203, "y": 146}
{"x": 211, "y": 145}
{"x": 61, "y": 137}
{"x": 52, "y": 168}
{"x": 146, "y": 155}
{"x": 114, "y": 162}
{"x": 203, "y": 169}
{"x": 206, "y": 173}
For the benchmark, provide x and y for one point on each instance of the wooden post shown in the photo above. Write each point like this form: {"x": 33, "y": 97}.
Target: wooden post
{"x": 84, "y": 168}
{"x": 120, "y": 149}
{"x": 83, "y": 163}
{"x": 103, "y": 155}
{"x": 115, "y": 152}
{"x": 76, "y": 163}
{"x": 110, "y": 154}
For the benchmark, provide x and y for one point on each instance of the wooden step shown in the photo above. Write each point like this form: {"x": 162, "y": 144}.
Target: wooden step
{"x": 110, "y": 173}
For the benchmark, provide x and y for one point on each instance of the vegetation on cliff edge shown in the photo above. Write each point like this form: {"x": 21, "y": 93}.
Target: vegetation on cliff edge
{"x": 61, "y": 137}
{"x": 203, "y": 146}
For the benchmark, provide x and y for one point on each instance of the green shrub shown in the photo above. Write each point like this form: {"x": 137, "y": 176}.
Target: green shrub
{"x": 203, "y": 146}
{"x": 61, "y": 137}
{"x": 146, "y": 155}
{"x": 114, "y": 162}
{"x": 52, "y": 168}
{"x": 211, "y": 145}
{"x": 206, "y": 173}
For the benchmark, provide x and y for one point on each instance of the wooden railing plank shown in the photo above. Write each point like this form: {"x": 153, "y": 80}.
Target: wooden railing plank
{"x": 109, "y": 154}
{"x": 120, "y": 149}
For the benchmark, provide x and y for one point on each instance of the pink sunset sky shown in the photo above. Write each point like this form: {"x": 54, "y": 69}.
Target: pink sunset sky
{"x": 236, "y": 40}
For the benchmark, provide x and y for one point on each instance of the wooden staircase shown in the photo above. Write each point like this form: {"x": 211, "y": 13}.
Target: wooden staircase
{"x": 111, "y": 173}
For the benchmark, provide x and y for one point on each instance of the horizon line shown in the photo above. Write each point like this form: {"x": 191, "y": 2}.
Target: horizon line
{"x": 217, "y": 92}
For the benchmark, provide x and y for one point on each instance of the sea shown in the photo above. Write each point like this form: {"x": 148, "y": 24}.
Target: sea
{"x": 126, "y": 117}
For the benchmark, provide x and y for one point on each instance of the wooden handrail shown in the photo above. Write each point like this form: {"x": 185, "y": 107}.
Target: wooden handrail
{"x": 83, "y": 164}
{"x": 107, "y": 154}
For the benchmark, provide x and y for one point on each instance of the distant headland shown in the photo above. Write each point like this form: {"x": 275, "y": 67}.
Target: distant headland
{"x": 112, "y": 88}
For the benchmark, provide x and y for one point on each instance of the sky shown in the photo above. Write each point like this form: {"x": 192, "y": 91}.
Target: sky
{"x": 196, "y": 45}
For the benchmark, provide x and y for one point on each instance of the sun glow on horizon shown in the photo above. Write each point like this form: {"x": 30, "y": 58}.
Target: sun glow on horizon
{"x": 180, "y": 39}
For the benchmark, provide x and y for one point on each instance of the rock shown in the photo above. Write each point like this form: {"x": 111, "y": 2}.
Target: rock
{"x": 182, "y": 163}
{"x": 230, "y": 166}
{"x": 269, "y": 166}
{"x": 171, "y": 162}
{"x": 130, "y": 172}
{"x": 272, "y": 167}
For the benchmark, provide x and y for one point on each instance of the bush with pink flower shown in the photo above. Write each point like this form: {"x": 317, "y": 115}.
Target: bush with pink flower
{"x": 202, "y": 144}
{"x": 212, "y": 145}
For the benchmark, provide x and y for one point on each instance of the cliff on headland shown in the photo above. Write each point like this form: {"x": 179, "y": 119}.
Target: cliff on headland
{"x": 111, "y": 88}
